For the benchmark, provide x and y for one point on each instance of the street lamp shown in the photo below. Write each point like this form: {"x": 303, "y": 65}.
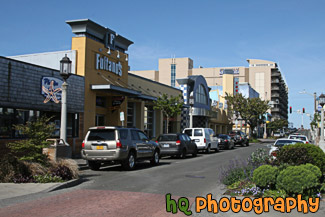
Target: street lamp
{"x": 65, "y": 72}
{"x": 322, "y": 103}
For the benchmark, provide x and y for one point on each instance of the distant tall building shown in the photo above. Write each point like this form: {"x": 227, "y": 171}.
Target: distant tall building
{"x": 263, "y": 76}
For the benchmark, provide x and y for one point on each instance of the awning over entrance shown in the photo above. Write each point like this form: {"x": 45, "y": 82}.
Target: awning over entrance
{"x": 122, "y": 90}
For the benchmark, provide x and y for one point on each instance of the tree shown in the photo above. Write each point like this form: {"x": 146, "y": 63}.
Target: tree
{"x": 278, "y": 124}
{"x": 251, "y": 110}
{"x": 170, "y": 106}
{"x": 37, "y": 132}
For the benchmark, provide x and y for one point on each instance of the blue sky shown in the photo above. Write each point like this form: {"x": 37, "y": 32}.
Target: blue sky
{"x": 214, "y": 33}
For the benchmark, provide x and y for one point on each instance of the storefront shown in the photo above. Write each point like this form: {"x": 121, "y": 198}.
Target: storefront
{"x": 28, "y": 91}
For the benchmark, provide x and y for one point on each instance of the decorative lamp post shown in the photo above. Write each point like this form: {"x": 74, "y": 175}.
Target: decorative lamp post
{"x": 322, "y": 103}
{"x": 65, "y": 72}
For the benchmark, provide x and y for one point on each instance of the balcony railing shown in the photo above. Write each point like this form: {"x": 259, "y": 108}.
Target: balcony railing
{"x": 275, "y": 74}
{"x": 275, "y": 81}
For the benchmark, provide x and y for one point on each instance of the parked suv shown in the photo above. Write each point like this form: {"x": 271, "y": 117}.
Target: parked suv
{"x": 204, "y": 138}
{"x": 239, "y": 138}
{"x": 118, "y": 145}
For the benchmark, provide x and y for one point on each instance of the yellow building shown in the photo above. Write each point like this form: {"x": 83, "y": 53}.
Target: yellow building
{"x": 112, "y": 96}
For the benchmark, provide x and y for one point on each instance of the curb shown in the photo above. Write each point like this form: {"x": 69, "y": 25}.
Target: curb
{"x": 67, "y": 184}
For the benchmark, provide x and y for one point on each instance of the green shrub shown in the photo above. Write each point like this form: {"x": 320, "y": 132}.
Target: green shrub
{"x": 301, "y": 154}
{"x": 314, "y": 169}
{"x": 31, "y": 148}
{"x": 265, "y": 176}
{"x": 274, "y": 193}
{"x": 47, "y": 178}
{"x": 259, "y": 157}
{"x": 293, "y": 155}
{"x": 297, "y": 180}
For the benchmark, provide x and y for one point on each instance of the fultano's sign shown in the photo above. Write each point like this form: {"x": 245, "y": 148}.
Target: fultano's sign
{"x": 103, "y": 63}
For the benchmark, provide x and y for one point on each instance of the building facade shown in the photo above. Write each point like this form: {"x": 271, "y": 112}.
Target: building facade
{"x": 28, "y": 91}
{"x": 263, "y": 76}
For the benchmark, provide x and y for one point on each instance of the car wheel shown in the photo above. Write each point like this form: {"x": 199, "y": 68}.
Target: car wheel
{"x": 233, "y": 146}
{"x": 247, "y": 143}
{"x": 129, "y": 163}
{"x": 228, "y": 146}
{"x": 183, "y": 154}
{"x": 216, "y": 150}
{"x": 242, "y": 144}
{"x": 94, "y": 165}
{"x": 208, "y": 150}
{"x": 195, "y": 153}
{"x": 155, "y": 160}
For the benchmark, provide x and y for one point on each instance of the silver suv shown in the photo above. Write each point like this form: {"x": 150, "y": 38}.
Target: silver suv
{"x": 118, "y": 145}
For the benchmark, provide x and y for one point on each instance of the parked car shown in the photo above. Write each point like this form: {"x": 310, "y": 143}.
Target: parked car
{"x": 204, "y": 138}
{"x": 239, "y": 137}
{"x": 279, "y": 143}
{"x": 303, "y": 138}
{"x": 118, "y": 145}
{"x": 225, "y": 141}
{"x": 179, "y": 144}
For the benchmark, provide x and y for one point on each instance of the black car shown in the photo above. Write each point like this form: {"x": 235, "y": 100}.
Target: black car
{"x": 225, "y": 141}
{"x": 179, "y": 144}
{"x": 239, "y": 137}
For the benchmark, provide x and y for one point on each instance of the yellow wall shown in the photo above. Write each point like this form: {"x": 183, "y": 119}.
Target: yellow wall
{"x": 86, "y": 66}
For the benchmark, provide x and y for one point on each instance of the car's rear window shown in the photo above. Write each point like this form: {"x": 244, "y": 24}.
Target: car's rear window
{"x": 281, "y": 143}
{"x": 223, "y": 136}
{"x": 198, "y": 132}
{"x": 188, "y": 132}
{"x": 298, "y": 137}
{"x": 105, "y": 134}
{"x": 167, "y": 138}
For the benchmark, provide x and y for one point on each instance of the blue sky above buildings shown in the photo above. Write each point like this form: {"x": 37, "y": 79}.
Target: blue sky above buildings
{"x": 214, "y": 33}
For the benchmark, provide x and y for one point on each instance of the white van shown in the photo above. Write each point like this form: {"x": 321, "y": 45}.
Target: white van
{"x": 204, "y": 138}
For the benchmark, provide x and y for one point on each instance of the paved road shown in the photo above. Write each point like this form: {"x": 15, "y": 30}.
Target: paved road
{"x": 115, "y": 192}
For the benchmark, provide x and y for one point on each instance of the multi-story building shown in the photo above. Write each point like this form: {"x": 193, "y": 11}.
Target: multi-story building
{"x": 263, "y": 76}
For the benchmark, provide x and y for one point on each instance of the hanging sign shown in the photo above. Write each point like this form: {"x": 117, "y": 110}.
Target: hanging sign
{"x": 51, "y": 89}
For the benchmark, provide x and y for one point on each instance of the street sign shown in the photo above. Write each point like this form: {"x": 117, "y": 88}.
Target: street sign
{"x": 121, "y": 116}
{"x": 319, "y": 108}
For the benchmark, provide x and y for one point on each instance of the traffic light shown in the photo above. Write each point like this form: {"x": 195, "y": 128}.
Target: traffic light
{"x": 236, "y": 85}
{"x": 290, "y": 109}
{"x": 303, "y": 110}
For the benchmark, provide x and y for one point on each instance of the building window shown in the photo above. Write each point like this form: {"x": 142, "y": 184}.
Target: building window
{"x": 100, "y": 120}
{"x": 100, "y": 101}
{"x": 149, "y": 122}
{"x": 131, "y": 114}
{"x": 201, "y": 96}
{"x": 173, "y": 74}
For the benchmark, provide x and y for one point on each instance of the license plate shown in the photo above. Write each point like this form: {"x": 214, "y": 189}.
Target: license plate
{"x": 100, "y": 147}
{"x": 166, "y": 146}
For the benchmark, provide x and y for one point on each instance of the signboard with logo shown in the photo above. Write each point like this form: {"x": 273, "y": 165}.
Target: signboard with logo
{"x": 103, "y": 63}
{"x": 51, "y": 89}
{"x": 234, "y": 71}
